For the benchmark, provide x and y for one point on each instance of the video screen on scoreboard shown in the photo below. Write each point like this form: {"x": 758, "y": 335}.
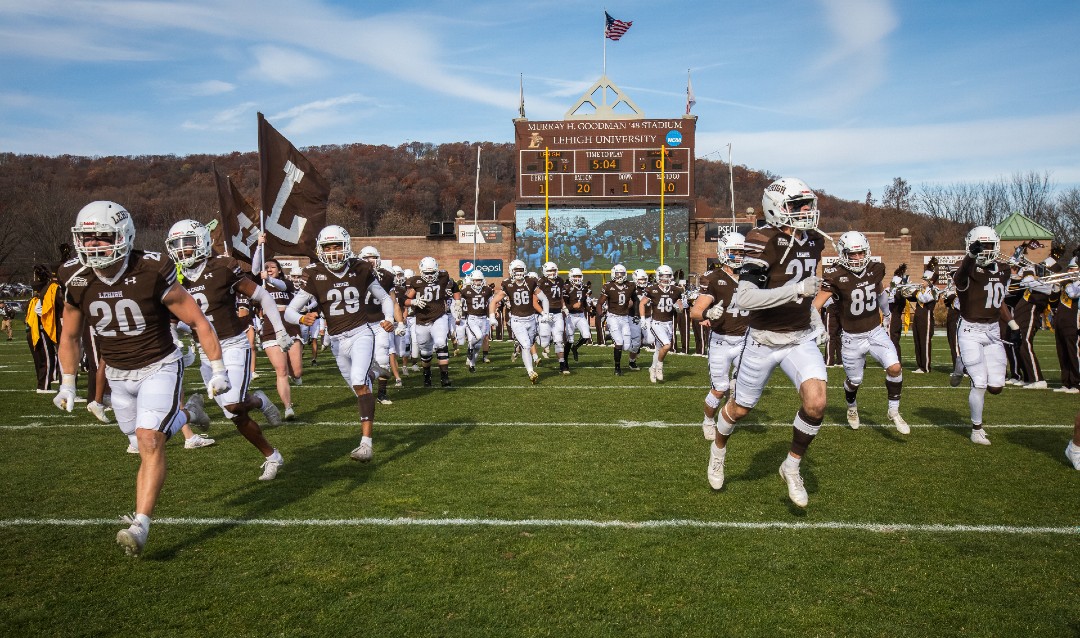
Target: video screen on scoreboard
{"x": 595, "y": 239}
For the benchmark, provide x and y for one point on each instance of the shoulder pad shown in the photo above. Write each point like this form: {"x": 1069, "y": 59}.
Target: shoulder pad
{"x": 755, "y": 274}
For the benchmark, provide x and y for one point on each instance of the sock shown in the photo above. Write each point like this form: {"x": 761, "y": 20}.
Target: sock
{"x": 792, "y": 462}
{"x": 365, "y": 439}
{"x": 976, "y": 399}
{"x": 850, "y": 392}
{"x": 618, "y": 357}
{"x": 366, "y": 404}
{"x": 144, "y": 520}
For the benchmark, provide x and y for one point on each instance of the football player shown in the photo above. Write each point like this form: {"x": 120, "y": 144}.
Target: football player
{"x": 617, "y": 296}
{"x": 340, "y": 283}
{"x": 577, "y": 302}
{"x": 716, "y": 308}
{"x": 526, "y": 303}
{"x": 477, "y": 299}
{"x": 427, "y": 294}
{"x": 214, "y": 283}
{"x": 777, "y": 284}
{"x": 131, "y": 296}
{"x": 854, "y": 284}
{"x": 981, "y": 281}
{"x": 664, "y": 297}
{"x": 288, "y": 359}
{"x": 385, "y": 365}
{"x": 552, "y": 328}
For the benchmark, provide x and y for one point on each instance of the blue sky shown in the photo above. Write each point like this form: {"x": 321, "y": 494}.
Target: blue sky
{"x": 844, "y": 94}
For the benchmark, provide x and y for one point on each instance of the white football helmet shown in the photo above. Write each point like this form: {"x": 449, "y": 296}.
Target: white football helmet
{"x": 551, "y": 270}
{"x": 641, "y": 277}
{"x": 476, "y": 280}
{"x": 409, "y": 273}
{"x": 731, "y": 249}
{"x": 850, "y": 243}
{"x": 188, "y": 242}
{"x": 429, "y": 270}
{"x": 990, "y": 241}
{"x": 370, "y": 254}
{"x": 783, "y": 201}
{"x": 107, "y": 221}
{"x": 665, "y": 277}
{"x": 296, "y": 274}
{"x": 517, "y": 271}
{"x": 618, "y": 273}
{"x": 399, "y": 276}
{"x": 577, "y": 278}
{"x": 333, "y": 247}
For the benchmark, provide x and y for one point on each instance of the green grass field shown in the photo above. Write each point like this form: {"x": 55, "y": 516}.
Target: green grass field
{"x": 578, "y": 507}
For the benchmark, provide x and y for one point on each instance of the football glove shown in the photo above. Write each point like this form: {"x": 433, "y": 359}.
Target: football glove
{"x": 419, "y": 303}
{"x": 975, "y": 248}
{"x": 714, "y": 312}
{"x": 493, "y": 319}
{"x": 65, "y": 398}
{"x": 284, "y": 339}
{"x": 189, "y": 357}
{"x": 808, "y": 287}
{"x": 400, "y": 330}
{"x": 547, "y": 318}
{"x": 219, "y": 380}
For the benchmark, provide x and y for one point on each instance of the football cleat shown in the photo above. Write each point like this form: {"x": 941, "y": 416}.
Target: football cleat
{"x": 633, "y": 365}
{"x": 132, "y": 539}
{"x": 1072, "y": 452}
{"x": 487, "y": 359}
{"x": 564, "y": 367}
{"x": 1036, "y": 385}
{"x": 573, "y": 351}
{"x": 398, "y": 383}
{"x": 98, "y": 410}
{"x": 618, "y": 371}
{"x": 901, "y": 425}
{"x": 196, "y": 413}
{"x": 362, "y": 453}
{"x": 534, "y": 377}
{"x": 197, "y": 441}
{"x": 979, "y": 437}
{"x": 427, "y": 381}
{"x": 269, "y": 410}
{"x": 795, "y": 489}
{"x": 955, "y": 378}
{"x": 853, "y": 417}
{"x": 384, "y": 399}
{"x": 271, "y": 466}
{"x": 472, "y": 367}
{"x": 708, "y": 429}
{"x": 716, "y": 467}
{"x": 132, "y": 449}
{"x": 290, "y": 414}
{"x": 652, "y": 374}
{"x": 660, "y": 373}
{"x": 445, "y": 382}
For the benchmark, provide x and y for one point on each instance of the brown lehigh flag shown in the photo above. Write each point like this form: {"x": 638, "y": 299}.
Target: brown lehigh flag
{"x": 238, "y": 233}
{"x": 294, "y": 195}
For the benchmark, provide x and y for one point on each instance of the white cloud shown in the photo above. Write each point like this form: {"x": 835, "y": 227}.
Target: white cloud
{"x": 856, "y": 61}
{"x": 286, "y": 66}
{"x": 231, "y": 119}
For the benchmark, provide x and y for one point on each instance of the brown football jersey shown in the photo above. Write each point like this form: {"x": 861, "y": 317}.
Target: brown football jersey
{"x": 663, "y": 301}
{"x": 374, "y": 308}
{"x": 399, "y": 297}
{"x": 520, "y": 296}
{"x": 621, "y": 298}
{"x": 572, "y": 296}
{"x": 131, "y": 322}
{"x": 435, "y": 294}
{"x": 767, "y": 247}
{"x": 981, "y": 298}
{"x": 554, "y": 291}
{"x": 721, "y": 287}
{"x": 340, "y": 294}
{"x": 214, "y": 287}
{"x": 856, "y": 296}
{"x": 282, "y": 297}
{"x": 476, "y": 303}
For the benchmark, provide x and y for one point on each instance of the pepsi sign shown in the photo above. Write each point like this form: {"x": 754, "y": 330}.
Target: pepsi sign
{"x": 489, "y": 267}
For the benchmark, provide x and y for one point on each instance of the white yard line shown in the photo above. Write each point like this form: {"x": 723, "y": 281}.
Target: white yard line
{"x": 616, "y": 425}
{"x": 877, "y": 528}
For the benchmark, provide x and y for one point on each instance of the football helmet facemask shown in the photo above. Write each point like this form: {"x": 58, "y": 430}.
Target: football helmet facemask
{"x": 731, "y": 249}
{"x": 665, "y": 277}
{"x": 370, "y": 254}
{"x": 476, "y": 280}
{"x": 577, "y": 278}
{"x": 517, "y": 271}
{"x": 103, "y": 221}
{"x": 399, "y": 276}
{"x": 188, "y": 242}
{"x": 852, "y": 243}
{"x": 990, "y": 241}
{"x": 551, "y": 270}
{"x": 333, "y": 247}
{"x": 429, "y": 270}
{"x": 618, "y": 273}
{"x": 641, "y": 278}
{"x": 783, "y": 203}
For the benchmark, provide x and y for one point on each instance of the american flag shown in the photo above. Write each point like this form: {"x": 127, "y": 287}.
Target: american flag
{"x": 615, "y": 28}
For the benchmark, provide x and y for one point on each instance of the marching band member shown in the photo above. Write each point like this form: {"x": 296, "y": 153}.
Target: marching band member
{"x": 1066, "y": 324}
{"x": 923, "y": 321}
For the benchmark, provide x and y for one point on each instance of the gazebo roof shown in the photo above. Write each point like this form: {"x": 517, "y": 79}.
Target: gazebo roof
{"x": 1018, "y": 226}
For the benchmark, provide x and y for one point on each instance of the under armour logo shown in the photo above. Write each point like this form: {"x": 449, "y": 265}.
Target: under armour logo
{"x": 129, "y": 281}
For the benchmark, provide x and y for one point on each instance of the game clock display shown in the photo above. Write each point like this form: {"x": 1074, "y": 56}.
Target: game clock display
{"x": 609, "y": 173}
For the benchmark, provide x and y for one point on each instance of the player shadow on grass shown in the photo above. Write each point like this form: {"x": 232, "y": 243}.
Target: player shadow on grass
{"x": 307, "y": 471}
{"x": 763, "y": 467}
{"x": 1048, "y": 442}
{"x": 944, "y": 418}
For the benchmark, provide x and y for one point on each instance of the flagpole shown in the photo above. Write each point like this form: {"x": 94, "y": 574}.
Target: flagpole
{"x": 603, "y": 40}
{"x": 731, "y": 185}
{"x": 476, "y": 207}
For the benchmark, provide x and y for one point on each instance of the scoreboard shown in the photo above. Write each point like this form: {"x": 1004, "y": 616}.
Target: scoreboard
{"x": 618, "y": 160}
